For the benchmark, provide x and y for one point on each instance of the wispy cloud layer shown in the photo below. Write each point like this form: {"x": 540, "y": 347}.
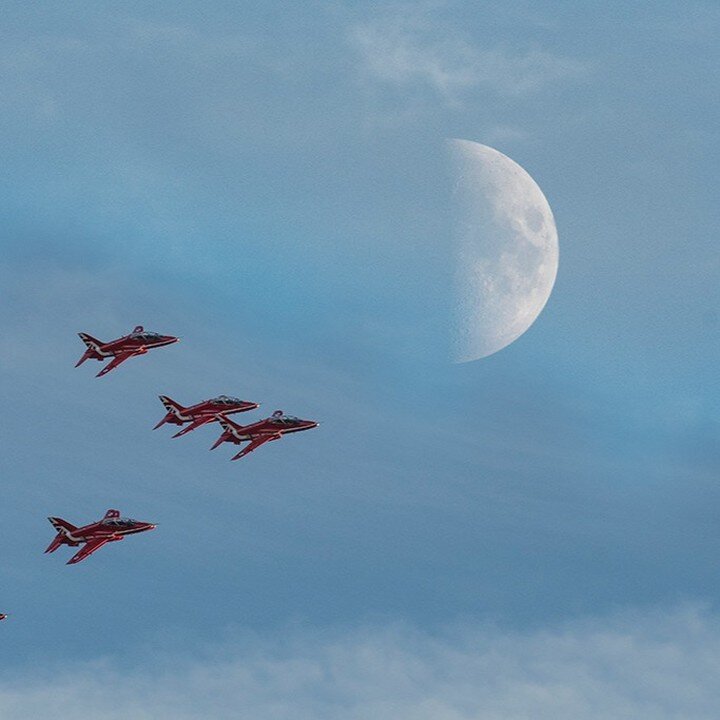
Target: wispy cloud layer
{"x": 409, "y": 50}
{"x": 658, "y": 665}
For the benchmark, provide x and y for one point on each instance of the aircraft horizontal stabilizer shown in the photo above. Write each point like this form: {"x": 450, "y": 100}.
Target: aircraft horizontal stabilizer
{"x": 55, "y": 544}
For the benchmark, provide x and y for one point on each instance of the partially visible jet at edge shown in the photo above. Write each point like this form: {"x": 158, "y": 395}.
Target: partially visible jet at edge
{"x": 259, "y": 433}
{"x": 3, "y": 616}
{"x": 138, "y": 342}
{"x": 202, "y": 413}
{"x": 110, "y": 529}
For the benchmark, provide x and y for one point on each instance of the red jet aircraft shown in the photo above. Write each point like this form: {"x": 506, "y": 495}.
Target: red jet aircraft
{"x": 2, "y": 616}
{"x": 204, "y": 412}
{"x": 111, "y": 528}
{"x": 138, "y": 342}
{"x": 272, "y": 428}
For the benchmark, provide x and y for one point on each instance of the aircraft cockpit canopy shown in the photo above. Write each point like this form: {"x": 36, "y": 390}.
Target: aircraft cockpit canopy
{"x": 119, "y": 522}
{"x": 226, "y": 400}
{"x": 146, "y": 336}
{"x": 285, "y": 420}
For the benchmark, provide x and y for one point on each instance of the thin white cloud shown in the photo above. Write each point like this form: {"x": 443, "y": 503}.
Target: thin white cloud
{"x": 655, "y": 666}
{"x": 408, "y": 49}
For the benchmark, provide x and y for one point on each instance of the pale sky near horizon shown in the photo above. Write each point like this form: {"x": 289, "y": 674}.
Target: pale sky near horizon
{"x": 531, "y": 535}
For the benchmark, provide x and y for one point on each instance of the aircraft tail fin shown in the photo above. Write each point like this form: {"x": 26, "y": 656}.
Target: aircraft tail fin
{"x": 174, "y": 410}
{"x": 230, "y": 429}
{"x": 90, "y": 341}
{"x": 227, "y": 424}
{"x": 63, "y": 527}
{"x": 93, "y": 348}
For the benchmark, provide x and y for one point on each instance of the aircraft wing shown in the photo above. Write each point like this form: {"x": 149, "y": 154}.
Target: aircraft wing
{"x": 89, "y": 548}
{"x": 255, "y": 443}
{"x": 195, "y": 424}
{"x": 120, "y": 358}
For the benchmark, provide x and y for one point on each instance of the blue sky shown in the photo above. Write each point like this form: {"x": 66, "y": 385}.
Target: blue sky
{"x": 271, "y": 184}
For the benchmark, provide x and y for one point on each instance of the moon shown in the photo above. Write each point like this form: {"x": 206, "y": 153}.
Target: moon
{"x": 506, "y": 250}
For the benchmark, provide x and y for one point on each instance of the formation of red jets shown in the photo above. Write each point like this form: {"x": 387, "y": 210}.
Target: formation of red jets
{"x": 112, "y": 527}
{"x": 217, "y": 409}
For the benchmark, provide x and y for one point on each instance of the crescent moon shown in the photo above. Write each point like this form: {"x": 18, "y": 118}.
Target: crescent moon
{"x": 506, "y": 250}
